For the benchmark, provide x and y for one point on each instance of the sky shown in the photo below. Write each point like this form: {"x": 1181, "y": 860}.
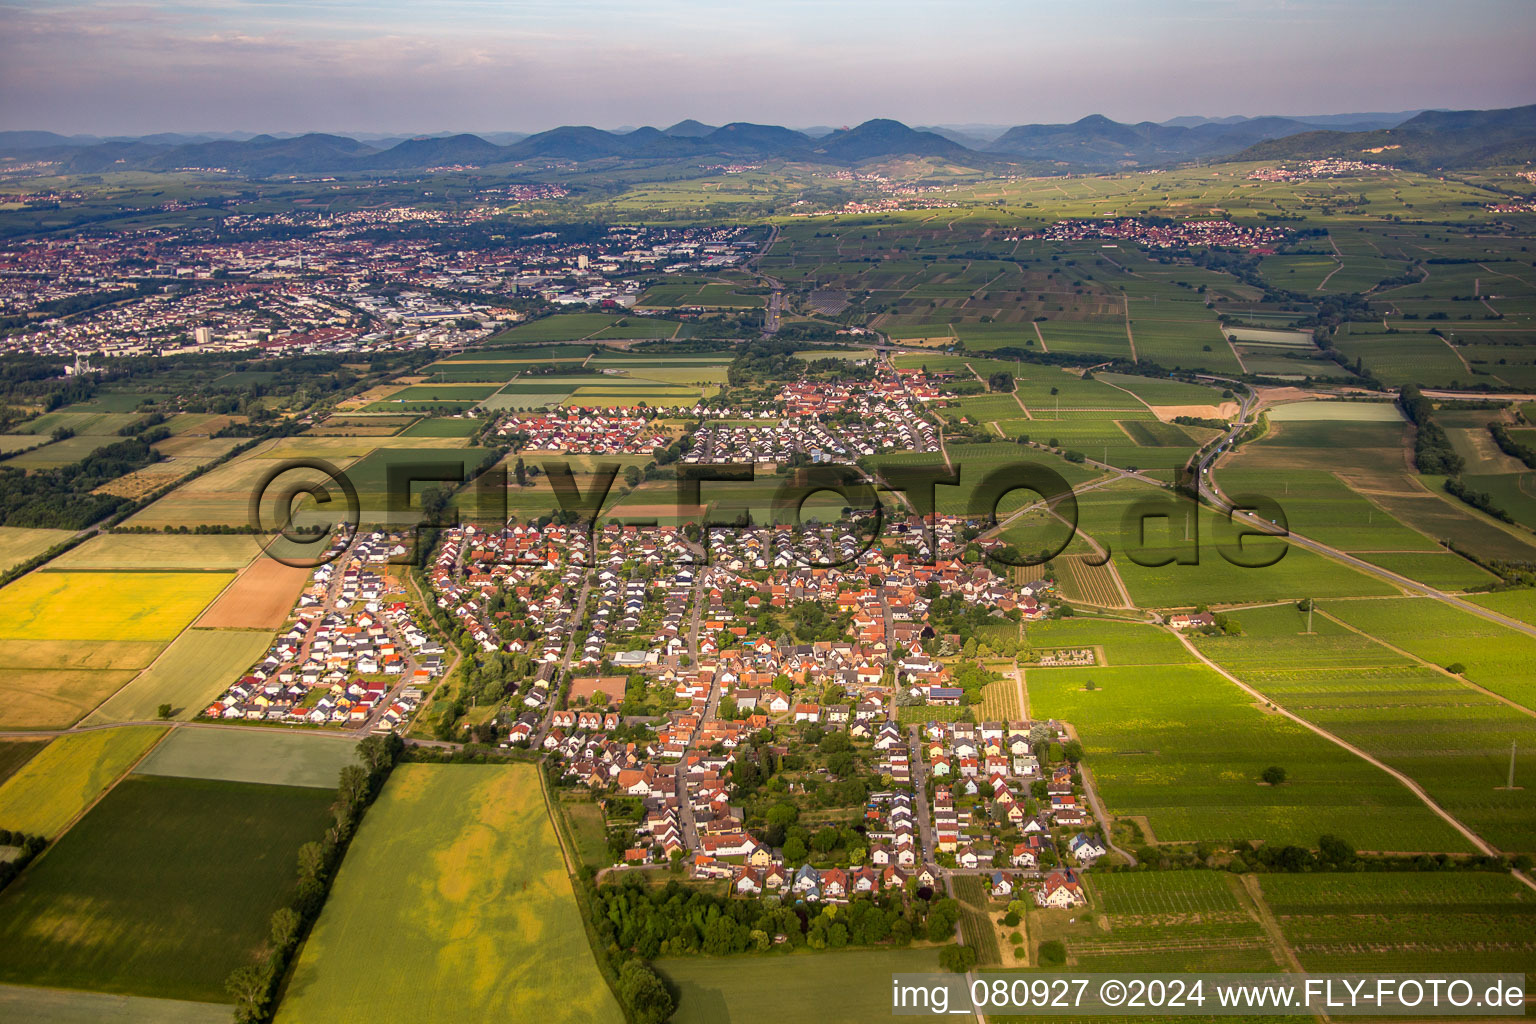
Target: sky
{"x": 112, "y": 67}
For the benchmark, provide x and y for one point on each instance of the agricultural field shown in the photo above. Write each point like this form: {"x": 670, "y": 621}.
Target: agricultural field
{"x": 1405, "y": 922}
{"x": 88, "y": 606}
{"x": 1450, "y": 737}
{"x": 1495, "y": 657}
{"x": 1399, "y": 359}
{"x": 1000, "y": 700}
{"x": 15, "y": 753}
{"x": 1173, "y": 741}
{"x": 140, "y": 896}
{"x": 18, "y": 544}
{"x": 704, "y": 294}
{"x": 64, "y": 1006}
{"x": 262, "y": 597}
{"x": 1165, "y": 921}
{"x": 449, "y": 427}
{"x": 559, "y": 327}
{"x": 66, "y": 777}
{"x": 1321, "y": 507}
{"x": 74, "y": 638}
{"x": 194, "y": 669}
{"x": 275, "y": 757}
{"x": 1515, "y": 604}
{"x": 839, "y": 986}
{"x": 484, "y": 911}
{"x": 1110, "y": 515}
{"x": 136, "y": 551}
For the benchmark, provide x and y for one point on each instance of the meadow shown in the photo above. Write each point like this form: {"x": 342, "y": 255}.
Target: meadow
{"x": 165, "y": 887}
{"x": 1171, "y": 740}
{"x": 481, "y": 908}
{"x": 67, "y": 776}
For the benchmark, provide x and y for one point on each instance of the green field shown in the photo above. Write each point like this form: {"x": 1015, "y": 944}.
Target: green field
{"x": 560, "y": 327}
{"x": 52, "y": 788}
{"x": 1215, "y": 578}
{"x": 443, "y": 428}
{"x": 1171, "y": 739}
{"x": 271, "y": 756}
{"x": 1406, "y": 922}
{"x": 844, "y": 987}
{"x": 1451, "y": 738}
{"x": 1495, "y": 656}
{"x": 482, "y": 910}
{"x": 1161, "y": 391}
{"x": 1515, "y": 604}
{"x": 165, "y": 887}
{"x": 1167, "y": 921}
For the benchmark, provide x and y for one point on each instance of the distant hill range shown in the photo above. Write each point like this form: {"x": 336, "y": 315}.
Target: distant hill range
{"x": 1433, "y": 139}
{"x": 1420, "y": 140}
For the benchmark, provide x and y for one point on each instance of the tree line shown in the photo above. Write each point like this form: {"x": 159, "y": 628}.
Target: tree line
{"x": 254, "y": 987}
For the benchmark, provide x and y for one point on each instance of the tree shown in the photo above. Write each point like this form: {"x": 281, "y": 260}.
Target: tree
{"x": 1052, "y": 953}
{"x": 166, "y": 711}
{"x": 1274, "y": 775}
{"x": 957, "y": 959}
{"x": 252, "y": 987}
{"x": 352, "y": 787}
{"x": 311, "y": 861}
{"x": 794, "y": 849}
{"x": 644, "y": 993}
{"x": 1335, "y": 850}
{"x": 1072, "y": 750}
{"x": 285, "y": 927}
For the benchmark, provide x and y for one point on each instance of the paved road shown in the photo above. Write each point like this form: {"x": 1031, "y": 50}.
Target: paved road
{"x": 920, "y": 785}
{"x": 578, "y": 615}
{"x": 773, "y": 315}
